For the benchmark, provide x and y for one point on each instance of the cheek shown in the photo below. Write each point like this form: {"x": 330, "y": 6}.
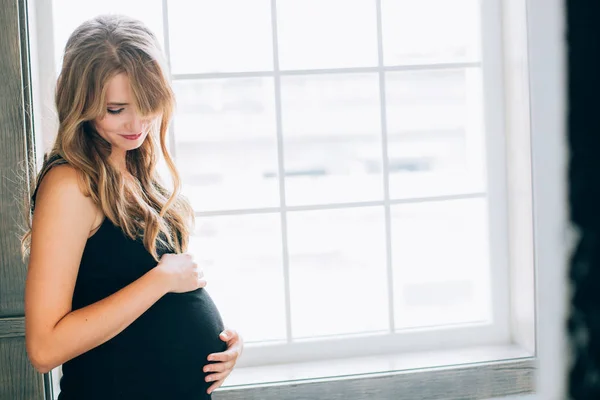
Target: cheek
{"x": 107, "y": 125}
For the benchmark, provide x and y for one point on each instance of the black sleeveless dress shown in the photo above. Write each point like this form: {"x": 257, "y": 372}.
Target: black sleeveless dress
{"x": 161, "y": 355}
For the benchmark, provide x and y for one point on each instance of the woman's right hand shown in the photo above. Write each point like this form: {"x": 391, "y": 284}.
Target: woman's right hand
{"x": 181, "y": 272}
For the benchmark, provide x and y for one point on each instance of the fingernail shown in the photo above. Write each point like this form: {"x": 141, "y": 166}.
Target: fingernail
{"x": 225, "y": 335}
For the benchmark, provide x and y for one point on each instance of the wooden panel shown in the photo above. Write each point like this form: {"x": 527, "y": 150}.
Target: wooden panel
{"x": 18, "y": 380}
{"x": 463, "y": 382}
{"x": 12, "y": 327}
{"x": 15, "y": 139}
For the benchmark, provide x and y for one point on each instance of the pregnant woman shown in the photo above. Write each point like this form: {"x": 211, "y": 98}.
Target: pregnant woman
{"x": 111, "y": 292}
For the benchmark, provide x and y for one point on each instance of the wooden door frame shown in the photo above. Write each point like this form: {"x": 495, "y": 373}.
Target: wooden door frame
{"x": 19, "y": 380}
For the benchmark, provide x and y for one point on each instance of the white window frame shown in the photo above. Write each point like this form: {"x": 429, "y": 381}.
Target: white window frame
{"x": 424, "y": 339}
{"x": 512, "y": 261}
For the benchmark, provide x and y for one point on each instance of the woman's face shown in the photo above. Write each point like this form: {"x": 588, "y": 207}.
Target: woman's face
{"x": 122, "y": 126}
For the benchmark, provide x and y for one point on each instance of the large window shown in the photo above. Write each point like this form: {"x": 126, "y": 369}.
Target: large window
{"x": 345, "y": 164}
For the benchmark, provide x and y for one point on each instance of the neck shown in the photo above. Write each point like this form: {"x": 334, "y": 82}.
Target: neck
{"x": 117, "y": 159}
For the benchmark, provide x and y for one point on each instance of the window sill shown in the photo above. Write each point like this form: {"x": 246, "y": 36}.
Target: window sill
{"x": 471, "y": 373}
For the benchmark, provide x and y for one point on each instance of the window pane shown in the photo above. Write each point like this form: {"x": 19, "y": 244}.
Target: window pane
{"x": 241, "y": 257}
{"x": 441, "y": 263}
{"x": 435, "y": 132}
{"x": 430, "y": 31}
{"x": 69, "y": 14}
{"x": 332, "y": 145}
{"x": 226, "y": 145}
{"x": 220, "y": 36}
{"x": 326, "y": 33}
{"x": 337, "y": 271}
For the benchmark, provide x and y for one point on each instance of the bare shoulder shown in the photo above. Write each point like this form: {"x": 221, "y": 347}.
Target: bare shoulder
{"x": 61, "y": 177}
{"x": 61, "y": 196}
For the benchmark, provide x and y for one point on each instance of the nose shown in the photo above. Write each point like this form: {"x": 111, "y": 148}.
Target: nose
{"x": 135, "y": 124}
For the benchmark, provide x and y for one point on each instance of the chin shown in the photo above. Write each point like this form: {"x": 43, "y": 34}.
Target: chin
{"x": 136, "y": 145}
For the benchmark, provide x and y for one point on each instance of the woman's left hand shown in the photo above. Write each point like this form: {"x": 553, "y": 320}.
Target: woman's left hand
{"x": 224, "y": 362}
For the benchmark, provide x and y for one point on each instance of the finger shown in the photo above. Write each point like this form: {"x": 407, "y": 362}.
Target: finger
{"x": 214, "y": 386}
{"x": 220, "y": 376}
{"x": 229, "y": 334}
{"x": 227, "y": 355}
{"x": 219, "y": 367}
{"x": 201, "y": 282}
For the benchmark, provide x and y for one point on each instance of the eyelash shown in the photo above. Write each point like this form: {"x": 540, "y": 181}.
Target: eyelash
{"x": 114, "y": 112}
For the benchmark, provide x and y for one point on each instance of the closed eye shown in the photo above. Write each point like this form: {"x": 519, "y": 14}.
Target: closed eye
{"x": 114, "y": 111}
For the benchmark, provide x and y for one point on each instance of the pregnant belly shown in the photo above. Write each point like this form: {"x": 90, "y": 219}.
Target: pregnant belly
{"x": 165, "y": 350}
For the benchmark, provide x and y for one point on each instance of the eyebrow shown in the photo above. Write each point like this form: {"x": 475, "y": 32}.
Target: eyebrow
{"x": 117, "y": 104}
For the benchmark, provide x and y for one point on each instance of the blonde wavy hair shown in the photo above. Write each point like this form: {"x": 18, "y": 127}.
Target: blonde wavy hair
{"x": 98, "y": 50}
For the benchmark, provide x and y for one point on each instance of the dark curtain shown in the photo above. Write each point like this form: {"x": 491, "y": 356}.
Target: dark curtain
{"x": 583, "y": 58}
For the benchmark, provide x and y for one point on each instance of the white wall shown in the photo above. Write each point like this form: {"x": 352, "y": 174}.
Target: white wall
{"x": 547, "y": 90}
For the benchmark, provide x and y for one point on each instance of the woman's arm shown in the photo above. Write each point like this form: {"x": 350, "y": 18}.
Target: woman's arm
{"x": 62, "y": 221}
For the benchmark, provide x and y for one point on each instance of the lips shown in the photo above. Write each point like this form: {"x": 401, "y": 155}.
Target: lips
{"x": 132, "y": 137}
